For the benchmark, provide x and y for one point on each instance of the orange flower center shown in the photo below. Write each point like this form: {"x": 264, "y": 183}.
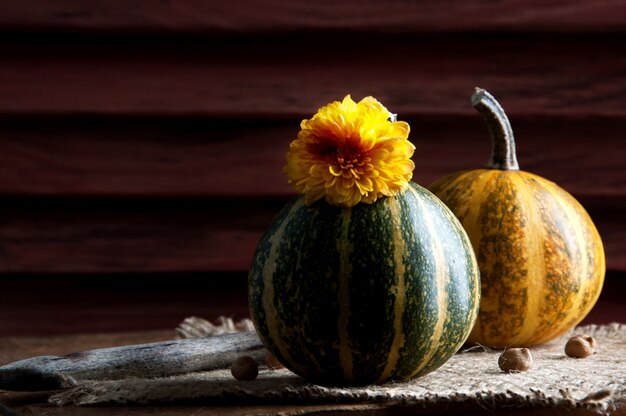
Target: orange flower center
{"x": 350, "y": 162}
{"x": 346, "y": 161}
{"x": 353, "y": 164}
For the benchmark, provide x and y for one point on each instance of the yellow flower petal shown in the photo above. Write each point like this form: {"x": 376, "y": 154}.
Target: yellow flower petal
{"x": 350, "y": 152}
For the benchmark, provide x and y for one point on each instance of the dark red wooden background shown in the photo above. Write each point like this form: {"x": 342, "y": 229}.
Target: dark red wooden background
{"x": 142, "y": 143}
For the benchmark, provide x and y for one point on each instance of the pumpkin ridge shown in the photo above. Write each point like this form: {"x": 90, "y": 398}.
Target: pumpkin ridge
{"x": 399, "y": 248}
{"x": 300, "y": 309}
{"x": 575, "y": 214}
{"x": 299, "y": 313}
{"x": 269, "y": 268}
{"x": 536, "y": 261}
{"x": 594, "y": 248}
{"x": 455, "y": 330}
{"x": 561, "y": 251}
{"x": 420, "y": 314}
{"x": 562, "y": 273}
{"x": 440, "y": 284}
{"x": 370, "y": 327}
{"x": 502, "y": 263}
{"x": 344, "y": 273}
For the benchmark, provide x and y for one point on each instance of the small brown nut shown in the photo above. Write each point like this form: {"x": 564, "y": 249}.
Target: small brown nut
{"x": 272, "y": 362}
{"x": 244, "y": 368}
{"x": 515, "y": 360}
{"x": 580, "y": 346}
{"x": 591, "y": 340}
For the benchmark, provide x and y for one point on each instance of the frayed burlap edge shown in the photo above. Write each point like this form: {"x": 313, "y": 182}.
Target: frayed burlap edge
{"x": 597, "y": 383}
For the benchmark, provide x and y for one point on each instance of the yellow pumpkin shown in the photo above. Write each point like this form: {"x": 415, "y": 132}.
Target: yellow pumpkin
{"x": 540, "y": 256}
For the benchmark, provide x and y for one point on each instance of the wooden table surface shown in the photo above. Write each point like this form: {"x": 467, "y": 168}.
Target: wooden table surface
{"x": 24, "y": 403}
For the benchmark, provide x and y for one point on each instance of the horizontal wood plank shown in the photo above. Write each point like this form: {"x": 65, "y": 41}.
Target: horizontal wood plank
{"x": 72, "y": 236}
{"x": 43, "y": 235}
{"x": 219, "y": 159}
{"x": 274, "y": 16}
{"x": 61, "y": 304}
{"x": 97, "y": 303}
{"x": 291, "y": 77}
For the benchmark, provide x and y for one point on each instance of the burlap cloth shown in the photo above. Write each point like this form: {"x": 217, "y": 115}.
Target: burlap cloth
{"x": 469, "y": 377}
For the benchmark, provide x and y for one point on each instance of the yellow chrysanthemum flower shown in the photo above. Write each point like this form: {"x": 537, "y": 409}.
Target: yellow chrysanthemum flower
{"x": 349, "y": 153}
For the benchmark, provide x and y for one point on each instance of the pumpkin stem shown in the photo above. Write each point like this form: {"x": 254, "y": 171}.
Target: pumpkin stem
{"x": 503, "y": 150}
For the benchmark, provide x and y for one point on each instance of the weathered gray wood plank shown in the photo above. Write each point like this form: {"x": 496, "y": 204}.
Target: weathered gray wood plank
{"x": 158, "y": 359}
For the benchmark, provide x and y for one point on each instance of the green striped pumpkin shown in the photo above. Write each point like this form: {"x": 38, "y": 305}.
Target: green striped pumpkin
{"x": 368, "y": 294}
